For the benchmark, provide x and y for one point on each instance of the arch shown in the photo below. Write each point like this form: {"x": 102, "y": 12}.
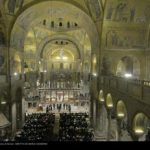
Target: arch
{"x": 24, "y": 20}
{"x": 106, "y": 66}
{"x": 32, "y": 3}
{"x": 140, "y": 124}
{"x": 52, "y": 38}
{"x": 121, "y": 109}
{"x": 101, "y": 96}
{"x": 109, "y": 101}
{"x": 128, "y": 65}
{"x": 16, "y": 63}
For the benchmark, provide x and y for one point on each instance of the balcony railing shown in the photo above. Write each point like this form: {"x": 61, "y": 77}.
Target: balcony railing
{"x": 138, "y": 89}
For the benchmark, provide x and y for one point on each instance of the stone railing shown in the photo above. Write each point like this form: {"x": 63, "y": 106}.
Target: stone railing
{"x": 138, "y": 89}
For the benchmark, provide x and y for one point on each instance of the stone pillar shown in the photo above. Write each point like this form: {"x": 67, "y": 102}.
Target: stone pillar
{"x": 91, "y": 112}
{"x": 63, "y": 96}
{"x": 119, "y": 129}
{"x": 94, "y": 113}
{"x": 14, "y": 118}
{"x": 23, "y": 110}
{"x": 97, "y": 114}
{"x": 109, "y": 125}
{"x": 103, "y": 120}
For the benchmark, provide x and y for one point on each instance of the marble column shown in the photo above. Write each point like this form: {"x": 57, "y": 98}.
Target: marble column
{"x": 94, "y": 113}
{"x": 23, "y": 110}
{"x": 109, "y": 126}
{"x": 14, "y": 118}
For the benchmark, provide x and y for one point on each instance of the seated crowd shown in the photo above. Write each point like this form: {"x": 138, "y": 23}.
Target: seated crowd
{"x": 74, "y": 127}
{"x": 38, "y": 127}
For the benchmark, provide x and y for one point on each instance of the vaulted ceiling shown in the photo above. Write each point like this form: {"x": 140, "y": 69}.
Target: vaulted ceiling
{"x": 83, "y": 24}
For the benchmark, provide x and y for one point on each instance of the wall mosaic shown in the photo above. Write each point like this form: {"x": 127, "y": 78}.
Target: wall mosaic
{"x": 127, "y": 11}
{"x": 125, "y": 39}
{"x": 95, "y": 8}
{"x": 12, "y": 6}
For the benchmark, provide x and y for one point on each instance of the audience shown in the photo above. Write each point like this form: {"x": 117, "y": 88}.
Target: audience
{"x": 74, "y": 127}
{"x": 38, "y": 127}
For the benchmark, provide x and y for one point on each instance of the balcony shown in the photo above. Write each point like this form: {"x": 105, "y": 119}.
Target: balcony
{"x": 137, "y": 89}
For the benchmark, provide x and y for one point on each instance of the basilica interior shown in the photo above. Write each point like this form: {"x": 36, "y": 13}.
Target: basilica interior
{"x": 74, "y": 70}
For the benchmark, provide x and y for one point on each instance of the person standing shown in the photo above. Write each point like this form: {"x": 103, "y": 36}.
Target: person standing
{"x": 69, "y": 108}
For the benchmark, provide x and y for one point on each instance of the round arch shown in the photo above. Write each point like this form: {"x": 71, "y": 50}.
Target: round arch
{"x": 128, "y": 65}
{"x": 16, "y": 63}
{"x": 68, "y": 38}
{"x": 109, "y": 101}
{"x": 101, "y": 96}
{"x": 32, "y": 3}
{"x": 140, "y": 124}
{"x": 121, "y": 109}
{"x": 24, "y": 20}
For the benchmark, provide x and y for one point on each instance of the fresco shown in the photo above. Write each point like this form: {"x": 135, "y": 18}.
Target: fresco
{"x": 2, "y": 38}
{"x": 125, "y": 39}
{"x": 12, "y": 6}
{"x": 127, "y": 11}
{"x": 17, "y": 39}
{"x": 0, "y": 14}
{"x": 2, "y": 61}
{"x": 95, "y": 8}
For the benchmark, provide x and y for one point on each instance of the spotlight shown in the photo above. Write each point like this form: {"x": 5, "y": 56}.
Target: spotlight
{"x": 45, "y": 71}
{"x": 128, "y": 75}
{"x": 139, "y": 131}
{"x": 110, "y": 105}
{"x": 15, "y": 73}
{"x": 120, "y": 115}
{"x": 3, "y": 102}
{"x": 94, "y": 74}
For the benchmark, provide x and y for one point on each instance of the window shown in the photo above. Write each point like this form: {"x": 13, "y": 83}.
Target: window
{"x": 60, "y": 24}
{"x": 52, "y": 24}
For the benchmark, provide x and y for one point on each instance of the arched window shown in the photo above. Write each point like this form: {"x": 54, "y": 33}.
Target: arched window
{"x": 68, "y": 24}
{"x": 60, "y": 24}
{"x": 44, "y": 22}
{"x": 52, "y": 24}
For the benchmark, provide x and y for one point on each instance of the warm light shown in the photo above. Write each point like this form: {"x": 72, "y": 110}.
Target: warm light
{"x": 30, "y": 35}
{"x": 102, "y": 99}
{"x": 128, "y": 75}
{"x": 37, "y": 83}
{"x": 3, "y": 102}
{"x": 110, "y": 105}
{"x": 40, "y": 105}
{"x": 63, "y": 58}
{"x": 39, "y": 62}
{"x": 57, "y": 57}
{"x": 95, "y": 74}
{"x": 45, "y": 71}
{"x": 15, "y": 74}
{"x": 139, "y": 131}
{"x": 94, "y": 60}
{"x": 120, "y": 115}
